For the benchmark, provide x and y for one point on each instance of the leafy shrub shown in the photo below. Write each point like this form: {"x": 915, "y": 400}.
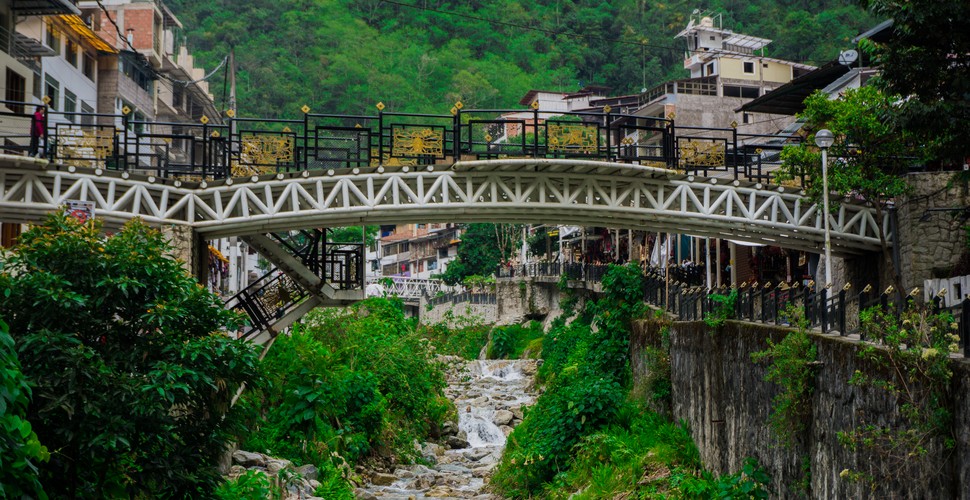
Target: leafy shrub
{"x": 724, "y": 306}
{"x": 791, "y": 366}
{"x": 250, "y": 485}
{"x": 131, "y": 385}
{"x": 509, "y": 342}
{"x": 19, "y": 446}
{"x": 349, "y": 382}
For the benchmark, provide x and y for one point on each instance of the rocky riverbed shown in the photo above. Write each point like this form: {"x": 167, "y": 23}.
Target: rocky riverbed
{"x": 489, "y": 395}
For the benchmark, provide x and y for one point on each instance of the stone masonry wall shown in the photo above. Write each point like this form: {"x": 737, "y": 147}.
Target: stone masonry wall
{"x": 445, "y": 313}
{"x": 724, "y": 398}
{"x": 931, "y": 241}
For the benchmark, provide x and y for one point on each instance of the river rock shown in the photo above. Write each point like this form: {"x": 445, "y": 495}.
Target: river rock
{"x": 449, "y": 428}
{"x": 505, "y": 430}
{"x": 275, "y": 465}
{"x": 502, "y": 417}
{"x": 457, "y": 443}
{"x": 308, "y": 471}
{"x": 362, "y": 494}
{"x": 382, "y": 479}
{"x": 517, "y": 413}
{"x": 247, "y": 459}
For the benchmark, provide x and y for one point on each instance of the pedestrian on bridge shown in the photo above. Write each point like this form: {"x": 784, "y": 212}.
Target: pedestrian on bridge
{"x": 38, "y": 131}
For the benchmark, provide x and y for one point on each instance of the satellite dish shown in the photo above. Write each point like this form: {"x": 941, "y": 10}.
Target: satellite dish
{"x": 643, "y": 90}
{"x": 847, "y": 57}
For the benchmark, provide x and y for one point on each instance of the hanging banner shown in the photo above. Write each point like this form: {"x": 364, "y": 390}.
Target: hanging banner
{"x": 80, "y": 210}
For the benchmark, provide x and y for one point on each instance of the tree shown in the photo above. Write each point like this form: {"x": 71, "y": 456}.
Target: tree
{"x": 868, "y": 160}
{"x": 927, "y": 59}
{"x": 131, "y": 386}
{"x": 483, "y": 247}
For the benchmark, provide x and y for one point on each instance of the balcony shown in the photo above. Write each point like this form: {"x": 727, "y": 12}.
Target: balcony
{"x": 45, "y": 7}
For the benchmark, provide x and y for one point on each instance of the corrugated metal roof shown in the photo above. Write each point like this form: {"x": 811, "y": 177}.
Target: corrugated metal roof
{"x": 81, "y": 29}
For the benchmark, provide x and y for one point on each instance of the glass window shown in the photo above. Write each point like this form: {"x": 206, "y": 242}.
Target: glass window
{"x": 16, "y": 90}
{"x": 89, "y": 66}
{"x": 52, "y": 89}
{"x": 70, "y": 105}
{"x": 54, "y": 39}
{"x": 749, "y": 67}
{"x": 70, "y": 53}
{"x": 87, "y": 119}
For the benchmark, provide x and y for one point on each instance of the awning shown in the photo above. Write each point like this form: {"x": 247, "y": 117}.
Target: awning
{"x": 81, "y": 29}
{"x": 790, "y": 97}
{"x": 27, "y": 46}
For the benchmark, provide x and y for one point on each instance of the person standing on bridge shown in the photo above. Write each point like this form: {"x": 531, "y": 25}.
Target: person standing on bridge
{"x": 38, "y": 130}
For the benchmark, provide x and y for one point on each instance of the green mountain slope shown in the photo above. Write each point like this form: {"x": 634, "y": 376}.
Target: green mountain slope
{"x": 344, "y": 56}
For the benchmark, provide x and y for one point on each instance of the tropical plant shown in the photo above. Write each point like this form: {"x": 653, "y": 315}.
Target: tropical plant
{"x": 131, "y": 378}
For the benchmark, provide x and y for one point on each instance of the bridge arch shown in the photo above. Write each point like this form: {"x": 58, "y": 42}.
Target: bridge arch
{"x": 554, "y": 191}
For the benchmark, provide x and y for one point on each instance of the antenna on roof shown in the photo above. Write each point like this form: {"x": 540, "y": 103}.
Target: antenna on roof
{"x": 847, "y": 57}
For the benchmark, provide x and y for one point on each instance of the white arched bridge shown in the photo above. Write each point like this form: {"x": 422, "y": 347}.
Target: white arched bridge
{"x": 573, "y": 192}
{"x": 276, "y": 182}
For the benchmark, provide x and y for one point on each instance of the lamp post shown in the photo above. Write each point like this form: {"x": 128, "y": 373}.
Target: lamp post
{"x": 824, "y": 139}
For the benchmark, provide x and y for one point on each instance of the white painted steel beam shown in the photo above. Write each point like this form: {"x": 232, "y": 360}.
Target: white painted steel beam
{"x": 569, "y": 192}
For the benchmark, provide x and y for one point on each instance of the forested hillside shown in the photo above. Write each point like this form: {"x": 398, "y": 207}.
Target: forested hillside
{"x": 343, "y": 56}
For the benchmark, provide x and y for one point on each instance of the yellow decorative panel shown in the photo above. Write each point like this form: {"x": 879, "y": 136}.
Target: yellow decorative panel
{"x": 573, "y": 137}
{"x": 417, "y": 141}
{"x": 85, "y": 147}
{"x": 262, "y": 153}
{"x": 701, "y": 153}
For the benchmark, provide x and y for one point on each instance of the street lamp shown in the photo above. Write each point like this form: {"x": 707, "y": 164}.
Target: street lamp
{"x": 824, "y": 139}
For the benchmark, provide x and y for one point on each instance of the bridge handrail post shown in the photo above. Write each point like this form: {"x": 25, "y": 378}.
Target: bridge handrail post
{"x": 842, "y": 312}
{"x": 734, "y": 138}
{"x": 535, "y": 135}
{"x": 824, "y": 309}
{"x": 964, "y": 326}
{"x": 380, "y": 136}
{"x": 609, "y": 138}
{"x": 456, "y": 129}
{"x": 306, "y": 141}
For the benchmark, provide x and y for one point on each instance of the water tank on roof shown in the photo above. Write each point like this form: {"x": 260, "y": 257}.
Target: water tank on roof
{"x": 707, "y": 22}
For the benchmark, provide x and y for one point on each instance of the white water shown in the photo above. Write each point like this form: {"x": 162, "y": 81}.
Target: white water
{"x": 480, "y": 389}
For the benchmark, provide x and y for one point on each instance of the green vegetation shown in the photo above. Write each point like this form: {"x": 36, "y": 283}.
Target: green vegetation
{"x": 20, "y": 450}
{"x": 511, "y": 342}
{"x": 927, "y": 60}
{"x": 346, "y": 385}
{"x": 724, "y": 309}
{"x": 912, "y": 365}
{"x": 658, "y": 387}
{"x": 130, "y": 385}
{"x": 483, "y": 247}
{"x": 791, "y": 365}
{"x": 464, "y": 338}
{"x": 344, "y": 56}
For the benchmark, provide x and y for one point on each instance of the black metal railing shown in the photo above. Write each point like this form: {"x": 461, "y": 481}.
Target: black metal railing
{"x": 242, "y": 147}
{"x": 463, "y": 297}
{"x": 826, "y": 310}
{"x": 266, "y": 301}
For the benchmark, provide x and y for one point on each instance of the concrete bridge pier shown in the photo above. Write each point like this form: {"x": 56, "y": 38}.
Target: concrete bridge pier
{"x": 190, "y": 248}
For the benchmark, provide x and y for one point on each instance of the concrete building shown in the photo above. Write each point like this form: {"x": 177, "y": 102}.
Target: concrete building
{"x": 418, "y": 250}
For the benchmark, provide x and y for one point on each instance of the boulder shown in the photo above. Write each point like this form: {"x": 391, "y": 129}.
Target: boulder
{"x": 361, "y": 494}
{"x": 449, "y": 428}
{"x": 503, "y": 417}
{"x": 308, "y": 471}
{"x": 457, "y": 443}
{"x": 247, "y": 459}
{"x": 517, "y": 413}
{"x": 275, "y": 465}
{"x": 382, "y": 479}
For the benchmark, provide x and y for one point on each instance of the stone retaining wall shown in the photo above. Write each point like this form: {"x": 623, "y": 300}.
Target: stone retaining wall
{"x": 724, "y": 398}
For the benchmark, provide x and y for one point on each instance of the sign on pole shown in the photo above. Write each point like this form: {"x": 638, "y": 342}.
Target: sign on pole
{"x": 80, "y": 210}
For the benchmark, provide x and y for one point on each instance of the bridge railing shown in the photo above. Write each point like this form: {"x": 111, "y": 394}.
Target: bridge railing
{"x": 215, "y": 148}
{"x": 265, "y": 301}
{"x": 462, "y": 297}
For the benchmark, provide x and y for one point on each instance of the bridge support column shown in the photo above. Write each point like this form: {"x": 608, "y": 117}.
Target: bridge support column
{"x": 190, "y": 248}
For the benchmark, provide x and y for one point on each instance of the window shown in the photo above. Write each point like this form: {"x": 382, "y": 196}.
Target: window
{"x": 710, "y": 69}
{"x": 89, "y": 66}
{"x": 70, "y": 105}
{"x": 745, "y": 92}
{"x": 749, "y": 67}
{"x": 53, "y": 39}
{"x": 16, "y": 91}
{"x": 87, "y": 119}
{"x": 177, "y": 96}
{"x": 52, "y": 89}
{"x": 745, "y": 118}
{"x": 70, "y": 53}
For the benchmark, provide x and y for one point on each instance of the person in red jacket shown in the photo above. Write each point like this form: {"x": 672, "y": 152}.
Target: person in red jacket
{"x": 38, "y": 131}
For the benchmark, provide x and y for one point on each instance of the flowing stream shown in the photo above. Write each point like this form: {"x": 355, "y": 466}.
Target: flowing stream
{"x": 489, "y": 395}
